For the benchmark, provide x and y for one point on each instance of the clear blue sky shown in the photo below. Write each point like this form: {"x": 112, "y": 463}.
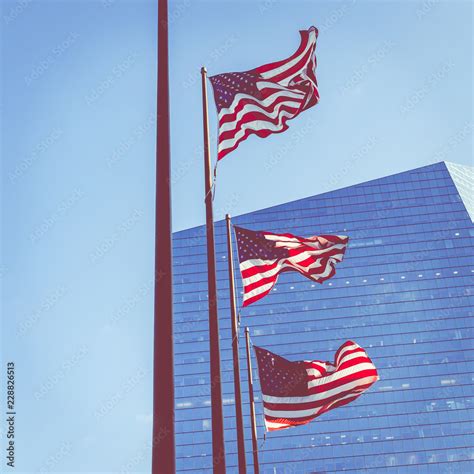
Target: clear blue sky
{"x": 78, "y": 101}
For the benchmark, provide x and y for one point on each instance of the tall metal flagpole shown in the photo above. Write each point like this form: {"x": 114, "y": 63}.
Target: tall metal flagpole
{"x": 252, "y": 405}
{"x": 163, "y": 443}
{"x": 235, "y": 354}
{"x": 218, "y": 447}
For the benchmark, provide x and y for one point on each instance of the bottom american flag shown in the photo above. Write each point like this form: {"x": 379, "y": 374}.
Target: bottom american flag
{"x": 294, "y": 393}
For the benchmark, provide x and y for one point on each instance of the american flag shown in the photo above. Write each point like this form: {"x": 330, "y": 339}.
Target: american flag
{"x": 262, "y": 100}
{"x": 294, "y": 393}
{"x": 264, "y": 255}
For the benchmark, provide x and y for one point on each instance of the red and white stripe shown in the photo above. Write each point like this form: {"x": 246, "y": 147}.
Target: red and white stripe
{"x": 329, "y": 386}
{"x": 287, "y": 87}
{"x": 314, "y": 257}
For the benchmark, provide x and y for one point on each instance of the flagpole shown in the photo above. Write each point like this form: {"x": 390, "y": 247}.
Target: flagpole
{"x": 252, "y": 405}
{"x": 218, "y": 446}
{"x": 163, "y": 442}
{"x": 235, "y": 354}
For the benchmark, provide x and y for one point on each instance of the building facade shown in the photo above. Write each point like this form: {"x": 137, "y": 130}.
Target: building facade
{"x": 404, "y": 292}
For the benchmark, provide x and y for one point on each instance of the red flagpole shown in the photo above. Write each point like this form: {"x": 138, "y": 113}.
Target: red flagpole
{"x": 218, "y": 446}
{"x": 235, "y": 353}
{"x": 163, "y": 444}
{"x": 253, "y": 422}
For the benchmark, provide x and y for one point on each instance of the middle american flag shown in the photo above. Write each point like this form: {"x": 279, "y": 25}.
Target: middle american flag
{"x": 264, "y": 255}
{"x": 294, "y": 393}
{"x": 262, "y": 100}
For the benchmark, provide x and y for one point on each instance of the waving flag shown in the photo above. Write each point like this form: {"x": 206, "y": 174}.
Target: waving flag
{"x": 264, "y": 255}
{"x": 262, "y": 100}
{"x": 294, "y": 393}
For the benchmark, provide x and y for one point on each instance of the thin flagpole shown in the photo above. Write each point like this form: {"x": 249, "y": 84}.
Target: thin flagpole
{"x": 218, "y": 446}
{"x": 252, "y": 405}
{"x": 235, "y": 354}
{"x": 163, "y": 443}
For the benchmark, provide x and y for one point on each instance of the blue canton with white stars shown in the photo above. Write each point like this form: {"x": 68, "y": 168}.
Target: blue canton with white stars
{"x": 254, "y": 245}
{"x": 227, "y": 85}
{"x": 280, "y": 377}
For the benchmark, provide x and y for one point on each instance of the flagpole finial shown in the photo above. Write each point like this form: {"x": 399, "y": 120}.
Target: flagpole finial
{"x": 203, "y": 70}
{"x": 246, "y": 329}
{"x": 227, "y": 217}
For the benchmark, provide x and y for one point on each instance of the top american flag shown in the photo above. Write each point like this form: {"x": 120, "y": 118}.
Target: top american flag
{"x": 264, "y": 255}
{"x": 294, "y": 393}
{"x": 262, "y": 100}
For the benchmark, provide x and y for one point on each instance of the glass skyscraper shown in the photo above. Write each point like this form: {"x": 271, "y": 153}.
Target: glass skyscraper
{"x": 404, "y": 292}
